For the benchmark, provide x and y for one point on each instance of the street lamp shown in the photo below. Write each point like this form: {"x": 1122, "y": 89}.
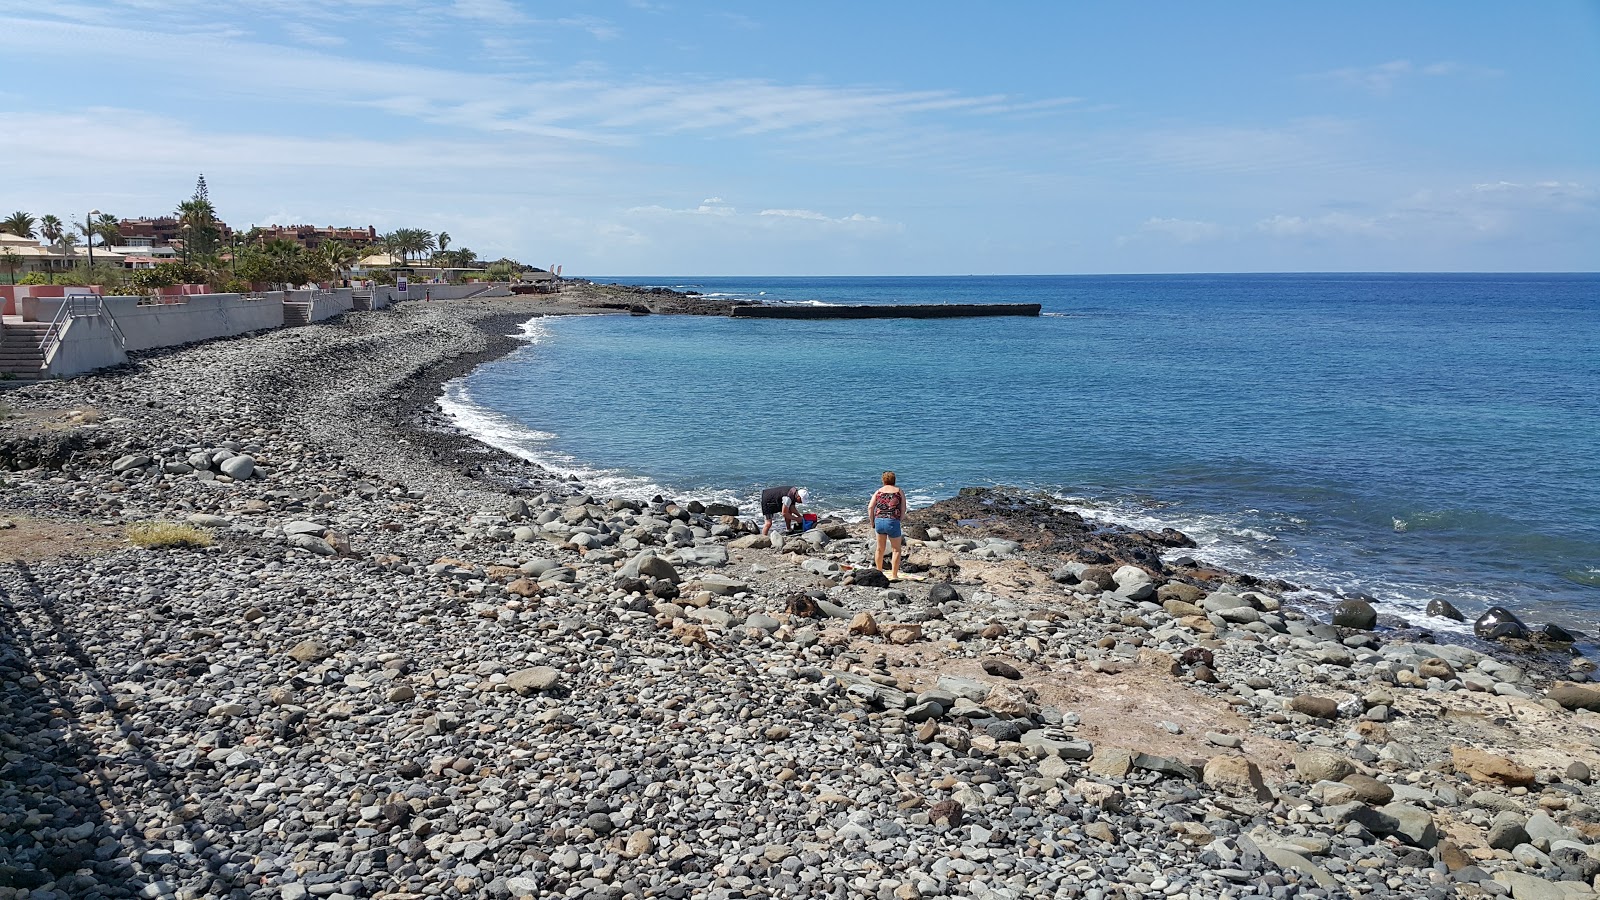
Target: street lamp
{"x": 88, "y": 236}
{"x": 186, "y": 243}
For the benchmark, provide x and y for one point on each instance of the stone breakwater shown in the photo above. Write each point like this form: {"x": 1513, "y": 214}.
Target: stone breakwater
{"x": 409, "y": 667}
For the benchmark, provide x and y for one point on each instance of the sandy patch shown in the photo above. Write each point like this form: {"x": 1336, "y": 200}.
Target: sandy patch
{"x": 26, "y": 539}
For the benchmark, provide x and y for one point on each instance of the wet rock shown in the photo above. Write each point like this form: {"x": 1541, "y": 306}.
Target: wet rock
{"x": 1499, "y": 623}
{"x": 1355, "y": 613}
{"x": 1444, "y": 609}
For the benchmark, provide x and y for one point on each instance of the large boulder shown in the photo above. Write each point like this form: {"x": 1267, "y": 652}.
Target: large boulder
{"x": 1355, "y": 613}
{"x": 650, "y": 567}
{"x": 1571, "y": 696}
{"x": 1498, "y": 623}
{"x": 1444, "y": 609}
{"x": 533, "y": 680}
{"x": 1236, "y": 776}
{"x": 1322, "y": 765}
{"x": 239, "y": 467}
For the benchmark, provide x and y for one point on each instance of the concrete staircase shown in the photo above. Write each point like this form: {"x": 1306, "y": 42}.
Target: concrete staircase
{"x": 361, "y": 300}
{"x": 22, "y": 349}
{"x": 296, "y": 314}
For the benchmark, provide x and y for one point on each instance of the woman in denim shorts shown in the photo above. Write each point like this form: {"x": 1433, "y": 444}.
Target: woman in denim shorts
{"x": 885, "y": 510}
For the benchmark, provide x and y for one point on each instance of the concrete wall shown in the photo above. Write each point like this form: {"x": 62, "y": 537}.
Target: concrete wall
{"x": 86, "y": 344}
{"x": 327, "y": 304}
{"x": 16, "y": 297}
{"x": 89, "y": 342}
{"x": 386, "y": 295}
{"x": 200, "y": 318}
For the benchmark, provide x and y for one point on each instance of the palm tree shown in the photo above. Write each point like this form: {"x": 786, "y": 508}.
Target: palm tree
{"x": 18, "y": 223}
{"x": 444, "y": 241}
{"x": 339, "y": 256}
{"x": 50, "y": 228}
{"x": 389, "y": 244}
{"x": 109, "y": 229}
{"x": 203, "y": 236}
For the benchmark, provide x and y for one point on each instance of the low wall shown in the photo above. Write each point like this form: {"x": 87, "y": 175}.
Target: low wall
{"x": 327, "y": 304}
{"x": 12, "y": 295}
{"x": 386, "y": 295}
{"x": 86, "y": 344}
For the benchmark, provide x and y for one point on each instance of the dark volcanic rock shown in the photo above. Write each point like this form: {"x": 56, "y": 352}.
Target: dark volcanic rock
{"x": 1552, "y": 633}
{"x": 1037, "y": 523}
{"x": 1001, "y": 669}
{"x": 1444, "y": 609}
{"x": 1499, "y": 623}
{"x": 1355, "y": 614}
{"x": 870, "y": 578}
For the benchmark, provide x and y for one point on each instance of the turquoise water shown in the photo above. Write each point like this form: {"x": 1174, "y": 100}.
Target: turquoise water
{"x": 1410, "y": 436}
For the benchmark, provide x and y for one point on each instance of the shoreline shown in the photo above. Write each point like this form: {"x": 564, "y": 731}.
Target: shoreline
{"x": 399, "y": 672}
{"x": 1320, "y": 600}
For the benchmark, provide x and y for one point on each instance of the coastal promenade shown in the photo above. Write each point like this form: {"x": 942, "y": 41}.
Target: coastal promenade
{"x": 411, "y": 666}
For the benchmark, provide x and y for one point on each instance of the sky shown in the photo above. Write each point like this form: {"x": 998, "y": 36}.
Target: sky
{"x": 672, "y": 137}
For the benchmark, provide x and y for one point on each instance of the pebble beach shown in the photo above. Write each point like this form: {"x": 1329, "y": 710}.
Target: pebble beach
{"x": 408, "y": 665}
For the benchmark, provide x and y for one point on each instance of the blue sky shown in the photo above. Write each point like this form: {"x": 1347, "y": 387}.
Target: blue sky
{"x": 673, "y": 137}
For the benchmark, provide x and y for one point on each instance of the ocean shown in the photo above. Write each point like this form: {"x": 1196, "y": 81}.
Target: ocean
{"x": 1406, "y": 436}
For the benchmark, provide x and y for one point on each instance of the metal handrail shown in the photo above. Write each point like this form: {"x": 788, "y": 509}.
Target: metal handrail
{"x": 104, "y": 311}
{"x": 77, "y": 306}
{"x": 53, "y": 334}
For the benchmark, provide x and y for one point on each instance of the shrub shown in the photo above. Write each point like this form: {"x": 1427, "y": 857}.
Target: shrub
{"x": 35, "y": 278}
{"x": 160, "y": 535}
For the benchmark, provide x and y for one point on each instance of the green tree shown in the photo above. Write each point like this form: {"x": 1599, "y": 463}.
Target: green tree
{"x": 444, "y": 243}
{"x": 18, "y": 223}
{"x": 12, "y": 260}
{"x": 339, "y": 257}
{"x": 282, "y": 263}
{"x": 202, "y": 235}
{"x": 109, "y": 228}
{"x": 390, "y": 244}
{"x": 51, "y": 229}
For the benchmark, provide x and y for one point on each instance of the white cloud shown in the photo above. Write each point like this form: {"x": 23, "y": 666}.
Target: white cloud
{"x": 852, "y": 220}
{"x": 494, "y": 12}
{"x": 1382, "y": 78}
{"x": 1491, "y": 210}
{"x": 1185, "y": 231}
{"x": 1333, "y": 224}
{"x": 571, "y": 108}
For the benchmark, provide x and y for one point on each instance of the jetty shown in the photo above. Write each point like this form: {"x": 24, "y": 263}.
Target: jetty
{"x": 883, "y": 311}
